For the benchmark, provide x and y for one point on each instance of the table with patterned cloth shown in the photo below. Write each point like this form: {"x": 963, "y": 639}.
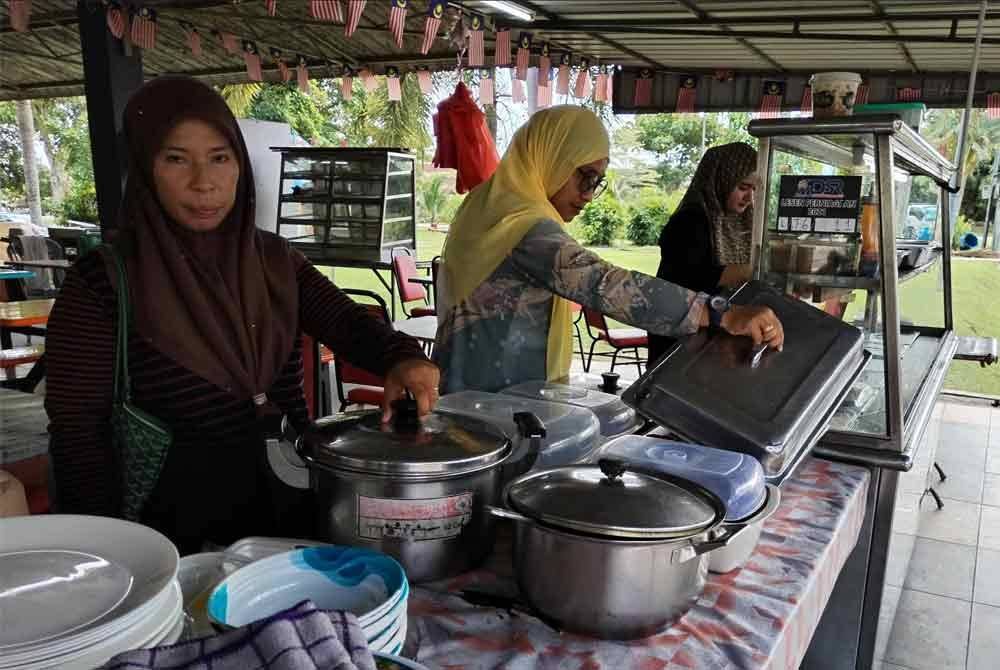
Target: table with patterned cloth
{"x": 762, "y": 616}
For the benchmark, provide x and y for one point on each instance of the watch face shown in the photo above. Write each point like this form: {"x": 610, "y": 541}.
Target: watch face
{"x": 719, "y": 303}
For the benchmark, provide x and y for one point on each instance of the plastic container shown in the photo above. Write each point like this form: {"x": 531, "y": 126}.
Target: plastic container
{"x": 833, "y": 93}
{"x": 615, "y": 416}
{"x": 571, "y": 433}
{"x": 738, "y": 479}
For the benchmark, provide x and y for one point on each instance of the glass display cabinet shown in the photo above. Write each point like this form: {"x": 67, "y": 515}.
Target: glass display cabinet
{"x": 853, "y": 217}
{"x": 347, "y": 204}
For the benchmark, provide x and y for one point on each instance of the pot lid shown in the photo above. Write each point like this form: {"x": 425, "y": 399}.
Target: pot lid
{"x": 440, "y": 444}
{"x": 611, "y": 500}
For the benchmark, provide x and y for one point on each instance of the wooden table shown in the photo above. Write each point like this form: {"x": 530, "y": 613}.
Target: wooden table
{"x": 22, "y": 316}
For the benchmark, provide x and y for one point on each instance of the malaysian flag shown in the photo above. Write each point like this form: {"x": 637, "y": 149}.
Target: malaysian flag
{"x": 433, "y": 23}
{"x": 486, "y": 93}
{"x": 601, "y": 88}
{"x": 144, "y": 28}
{"x": 347, "y": 84}
{"x": 424, "y": 79}
{"x": 544, "y": 92}
{"x": 194, "y": 42}
{"x": 523, "y": 56}
{"x": 397, "y": 20}
{"x": 581, "y": 89}
{"x": 517, "y": 90}
{"x": 326, "y": 10}
{"x": 908, "y": 94}
{"x": 230, "y": 42}
{"x": 116, "y": 21}
{"x": 355, "y": 8}
{"x": 501, "y": 50}
{"x": 20, "y": 14}
{"x": 643, "y": 88}
{"x": 286, "y": 74}
{"x": 562, "y": 81}
{"x": 861, "y": 97}
{"x": 610, "y": 83}
{"x": 368, "y": 80}
{"x": 302, "y": 75}
{"x": 272, "y": 7}
{"x": 993, "y": 105}
{"x": 687, "y": 93}
{"x": 477, "y": 50}
{"x": 392, "y": 82}
{"x": 544, "y": 66}
{"x": 252, "y": 60}
{"x": 806, "y": 104}
{"x": 770, "y": 100}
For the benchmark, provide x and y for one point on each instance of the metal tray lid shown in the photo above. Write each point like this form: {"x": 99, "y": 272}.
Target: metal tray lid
{"x": 571, "y": 433}
{"x": 738, "y": 479}
{"x": 708, "y": 384}
{"x": 615, "y": 416}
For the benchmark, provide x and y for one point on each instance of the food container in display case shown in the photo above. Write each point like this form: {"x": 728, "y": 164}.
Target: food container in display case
{"x": 571, "y": 433}
{"x": 715, "y": 389}
{"x": 615, "y": 416}
{"x": 737, "y": 479}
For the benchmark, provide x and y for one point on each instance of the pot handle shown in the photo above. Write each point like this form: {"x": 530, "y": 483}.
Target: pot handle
{"x": 286, "y": 458}
{"x": 504, "y": 513}
{"x": 727, "y": 532}
{"x": 531, "y": 431}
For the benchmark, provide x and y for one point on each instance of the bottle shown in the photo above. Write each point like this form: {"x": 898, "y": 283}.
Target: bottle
{"x": 869, "y": 235}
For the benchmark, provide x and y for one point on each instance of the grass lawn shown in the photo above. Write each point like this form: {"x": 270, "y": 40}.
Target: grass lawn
{"x": 976, "y": 292}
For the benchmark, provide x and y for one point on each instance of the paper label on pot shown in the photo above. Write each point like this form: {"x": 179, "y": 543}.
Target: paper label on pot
{"x": 419, "y": 519}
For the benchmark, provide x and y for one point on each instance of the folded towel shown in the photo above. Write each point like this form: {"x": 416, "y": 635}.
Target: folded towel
{"x": 301, "y": 638}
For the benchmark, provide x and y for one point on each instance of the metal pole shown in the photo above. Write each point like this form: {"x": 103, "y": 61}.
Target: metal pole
{"x": 963, "y": 133}
{"x": 989, "y": 198}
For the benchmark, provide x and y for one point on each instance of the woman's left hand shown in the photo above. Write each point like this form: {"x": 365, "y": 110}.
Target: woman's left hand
{"x": 418, "y": 376}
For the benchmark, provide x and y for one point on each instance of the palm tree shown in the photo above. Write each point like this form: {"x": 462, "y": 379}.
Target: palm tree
{"x": 240, "y": 97}
{"x": 434, "y": 198}
{"x": 942, "y": 132}
{"x": 372, "y": 119}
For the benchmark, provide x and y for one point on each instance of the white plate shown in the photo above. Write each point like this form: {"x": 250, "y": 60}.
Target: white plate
{"x": 157, "y": 626}
{"x": 55, "y": 592}
{"x": 148, "y": 556}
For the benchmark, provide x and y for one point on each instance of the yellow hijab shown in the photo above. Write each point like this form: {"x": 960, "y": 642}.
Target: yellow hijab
{"x": 543, "y": 155}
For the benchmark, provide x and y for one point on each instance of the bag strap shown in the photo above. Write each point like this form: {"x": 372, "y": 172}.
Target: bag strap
{"x": 123, "y": 386}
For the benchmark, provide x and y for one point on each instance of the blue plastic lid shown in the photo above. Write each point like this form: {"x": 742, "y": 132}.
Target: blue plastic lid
{"x": 571, "y": 433}
{"x": 738, "y": 479}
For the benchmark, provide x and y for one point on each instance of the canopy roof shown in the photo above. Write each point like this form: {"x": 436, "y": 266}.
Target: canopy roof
{"x": 769, "y": 38}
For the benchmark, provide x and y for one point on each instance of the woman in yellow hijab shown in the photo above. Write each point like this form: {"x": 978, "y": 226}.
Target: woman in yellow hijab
{"x": 510, "y": 270}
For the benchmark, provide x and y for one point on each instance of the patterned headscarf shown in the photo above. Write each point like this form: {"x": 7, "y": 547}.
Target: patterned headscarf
{"x": 718, "y": 173}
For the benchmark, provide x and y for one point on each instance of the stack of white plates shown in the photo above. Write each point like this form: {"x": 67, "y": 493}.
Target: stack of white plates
{"x": 369, "y": 584}
{"x": 77, "y": 590}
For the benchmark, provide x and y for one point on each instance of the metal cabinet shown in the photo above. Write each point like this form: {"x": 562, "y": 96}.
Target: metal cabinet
{"x": 353, "y": 204}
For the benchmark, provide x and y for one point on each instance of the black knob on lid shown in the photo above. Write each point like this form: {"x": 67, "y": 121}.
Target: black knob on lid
{"x": 404, "y": 415}
{"x": 610, "y": 381}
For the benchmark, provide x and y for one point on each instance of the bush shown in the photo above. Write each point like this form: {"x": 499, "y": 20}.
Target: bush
{"x": 600, "y": 221}
{"x": 80, "y": 204}
{"x": 646, "y": 220}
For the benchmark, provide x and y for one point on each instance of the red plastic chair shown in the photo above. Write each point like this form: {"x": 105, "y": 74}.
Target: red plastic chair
{"x": 619, "y": 339}
{"x": 368, "y": 386}
{"x": 404, "y": 267}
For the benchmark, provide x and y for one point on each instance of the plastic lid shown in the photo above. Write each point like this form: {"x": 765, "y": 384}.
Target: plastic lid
{"x": 442, "y": 444}
{"x": 572, "y": 433}
{"x": 737, "y": 479}
{"x": 615, "y": 416}
{"x": 610, "y": 501}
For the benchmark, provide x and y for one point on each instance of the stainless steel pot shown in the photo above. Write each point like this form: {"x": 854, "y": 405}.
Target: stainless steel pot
{"x": 608, "y": 552}
{"x": 418, "y": 490}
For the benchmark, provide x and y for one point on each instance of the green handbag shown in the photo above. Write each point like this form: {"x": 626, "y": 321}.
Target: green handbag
{"x": 140, "y": 440}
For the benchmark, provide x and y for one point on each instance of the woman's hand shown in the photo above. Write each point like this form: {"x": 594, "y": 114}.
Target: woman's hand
{"x": 760, "y": 323}
{"x": 418, "y": 376}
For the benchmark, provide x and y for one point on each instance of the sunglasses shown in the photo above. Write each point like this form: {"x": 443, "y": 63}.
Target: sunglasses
{"x": 591, "y": 182}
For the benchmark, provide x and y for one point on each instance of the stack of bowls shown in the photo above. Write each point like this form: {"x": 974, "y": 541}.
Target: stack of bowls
{"x": 369, "y": 584}
{"x": 77, "y": 590}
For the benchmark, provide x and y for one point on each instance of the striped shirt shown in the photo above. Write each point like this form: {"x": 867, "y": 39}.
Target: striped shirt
{"x": 215, "y": 484}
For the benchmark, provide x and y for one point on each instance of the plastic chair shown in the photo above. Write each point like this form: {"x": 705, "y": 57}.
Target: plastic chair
{"x": 619, "y": 339}
{"x": 368, "y": 387}
{"x": 404, "y": 267}
{"x": 577, "y": 309}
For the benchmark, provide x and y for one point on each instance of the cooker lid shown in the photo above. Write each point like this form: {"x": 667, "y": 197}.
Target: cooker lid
{"x": 440, "y": 444}
{"x": 611, "y": 500}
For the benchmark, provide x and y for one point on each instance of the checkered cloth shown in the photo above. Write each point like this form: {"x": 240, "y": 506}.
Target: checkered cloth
{"x": 301, "y": 638}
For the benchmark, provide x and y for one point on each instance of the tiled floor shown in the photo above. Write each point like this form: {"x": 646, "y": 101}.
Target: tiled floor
{"x": 948, "y": 615}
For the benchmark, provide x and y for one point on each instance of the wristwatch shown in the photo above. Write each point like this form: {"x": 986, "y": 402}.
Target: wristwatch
{"x": 717, "y": 306}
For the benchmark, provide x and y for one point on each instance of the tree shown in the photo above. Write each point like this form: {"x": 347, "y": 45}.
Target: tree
{"x": 11, "y": 163}
{"x": 371, "y": 119}
{"x": 65, "y": 138}
{"x": 26, "y": 129}
{"x": 434, "y": 197}
{"x": 942, "y": 131}
{"x": 240, "y": 97}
